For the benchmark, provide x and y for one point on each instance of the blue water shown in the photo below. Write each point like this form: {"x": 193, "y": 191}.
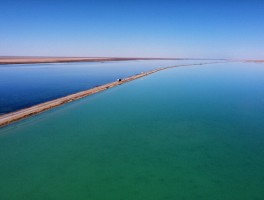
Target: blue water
{"x": 25, "y": 85}
{"x": 190, "y": 133}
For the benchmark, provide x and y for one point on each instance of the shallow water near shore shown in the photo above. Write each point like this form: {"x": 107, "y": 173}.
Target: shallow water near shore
{"x": 25, "y": 85}
{"x": 185, "y": 133}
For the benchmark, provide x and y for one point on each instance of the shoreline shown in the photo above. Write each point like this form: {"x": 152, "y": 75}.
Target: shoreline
{"x": 12, "y": 117}
{"x": 255, "y": 61}
{"x": 36, "y": 60}
{"x": 5, "y": 60}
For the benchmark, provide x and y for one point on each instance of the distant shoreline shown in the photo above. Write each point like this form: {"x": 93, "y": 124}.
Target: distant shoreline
{"x": 4, "y": 60}
{"x": 255, "y": 61}
{"x": 12, "y": 117}
{"x": 35, "y": 60}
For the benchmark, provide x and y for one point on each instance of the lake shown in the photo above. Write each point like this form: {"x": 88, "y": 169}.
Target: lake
{"x": 25, "y": 85}
{"x": 184, "y": 133}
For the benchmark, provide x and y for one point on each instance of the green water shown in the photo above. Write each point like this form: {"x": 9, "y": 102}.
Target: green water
{"x": 185, "y": 133}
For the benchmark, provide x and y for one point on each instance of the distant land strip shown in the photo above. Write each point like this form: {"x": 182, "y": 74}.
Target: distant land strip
{"x": 255, "y": 61}
{"x": 9, "y": 118}
{"x": 33, "y": 60}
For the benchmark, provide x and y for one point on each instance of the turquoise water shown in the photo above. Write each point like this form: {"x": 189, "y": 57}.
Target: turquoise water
{"x": 22, "y": 86}
{"x": 184, "y": 133}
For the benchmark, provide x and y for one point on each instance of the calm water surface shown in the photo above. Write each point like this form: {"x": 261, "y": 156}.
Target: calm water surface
{"x": 185, "y": 133}
{"x": 22, "y": 86}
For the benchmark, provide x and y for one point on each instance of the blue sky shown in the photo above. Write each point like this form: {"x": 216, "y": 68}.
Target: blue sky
{"x": 200, "y": 29}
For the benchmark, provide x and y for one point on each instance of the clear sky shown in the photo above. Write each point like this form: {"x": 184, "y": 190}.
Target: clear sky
{"x": 134, "y": 28}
